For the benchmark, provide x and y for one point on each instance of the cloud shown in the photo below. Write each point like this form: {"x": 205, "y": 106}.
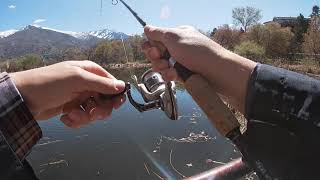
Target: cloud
{"x": 12, "y": 6}
{"x": 38, "y": 21}
{"x": 165, "y": 12}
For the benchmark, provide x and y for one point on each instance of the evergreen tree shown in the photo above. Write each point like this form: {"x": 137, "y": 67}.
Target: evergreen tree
{"x": 315, "y": 11}
{"x": 299, "y": 30}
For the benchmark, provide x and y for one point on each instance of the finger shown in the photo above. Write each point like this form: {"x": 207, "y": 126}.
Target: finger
{"x": 79, "y": 117}
{"x": 170, "y": 74}
{"x": 92, "y": 67}
{"x": 155, "y": 33}
{"x": 150, "y": 51}
{"x": 92, "y": 82}
{"x": 160, "y": 65}
{"x": 153, "y": 53}
{"x": 119, "y": 101}
{"x": 69, "y": 122}
{"x": 102, "y": 111}
{"x": 145, "y": 46}
{"x": 89, "y": 104}
{"x": 80, "y": 100}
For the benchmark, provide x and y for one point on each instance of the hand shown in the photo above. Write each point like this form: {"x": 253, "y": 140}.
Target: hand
{"x": 227, "y": 72}
{"x": 188, "y": 46}
{"x": 64, "y": 87}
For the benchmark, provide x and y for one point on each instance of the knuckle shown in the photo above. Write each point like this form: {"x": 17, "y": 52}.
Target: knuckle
{"x": 88, "y": 61}
{"x": 77, "y": 73}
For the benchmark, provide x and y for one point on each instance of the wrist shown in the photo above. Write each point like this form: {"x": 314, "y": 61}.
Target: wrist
{"x": 230, "y": 74}
{"x": 20, "y": 81}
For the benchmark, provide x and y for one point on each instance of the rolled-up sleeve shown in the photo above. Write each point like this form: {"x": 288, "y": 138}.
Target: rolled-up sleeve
{"x": 17, "y": 125}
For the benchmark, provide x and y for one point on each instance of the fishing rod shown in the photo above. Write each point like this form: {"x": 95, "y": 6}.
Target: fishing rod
{"x": 216, "y": 110}
{"x": 199, "y": 88}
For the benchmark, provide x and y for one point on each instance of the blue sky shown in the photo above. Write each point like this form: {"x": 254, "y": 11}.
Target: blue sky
{"x": 84, "y": 15}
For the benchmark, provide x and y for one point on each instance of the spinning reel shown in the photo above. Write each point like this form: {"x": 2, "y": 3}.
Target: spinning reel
{"x": 156, "y": 93}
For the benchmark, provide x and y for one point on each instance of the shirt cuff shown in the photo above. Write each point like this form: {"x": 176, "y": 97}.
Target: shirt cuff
{"x": 17, "y": 124}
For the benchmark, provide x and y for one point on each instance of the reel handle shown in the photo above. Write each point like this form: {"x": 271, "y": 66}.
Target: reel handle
{"x": 204, "y": 94}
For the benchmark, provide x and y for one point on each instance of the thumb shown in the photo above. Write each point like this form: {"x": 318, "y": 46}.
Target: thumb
{"x": 101, "y": 84}
{"x": 155, "y": 33}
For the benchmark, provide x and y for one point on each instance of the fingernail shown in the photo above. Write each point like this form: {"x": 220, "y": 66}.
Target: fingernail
{"x": 119, "y": 85}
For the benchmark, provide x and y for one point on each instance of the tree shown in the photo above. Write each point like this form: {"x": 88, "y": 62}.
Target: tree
{"x": 29, "y": 61}
{"x": 73, "y": 54}
{"x": 246, "y": 17}
{"x": 257, "y": 34}
{"x": 134, "y": 49}
{"x": 299, "y": 30}
{"x": 227, "y": 37}
{"x": 311, "y": 43}
{"x": 250, "y": 50}
{"x": 315, "y": 11}
{"x": 213, "y": 32}
{"x": 275, "y": 39}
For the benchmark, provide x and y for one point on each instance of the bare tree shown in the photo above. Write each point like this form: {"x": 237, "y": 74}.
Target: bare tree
{"x": 227, "y": 37}
{"x": 246, "y": 16}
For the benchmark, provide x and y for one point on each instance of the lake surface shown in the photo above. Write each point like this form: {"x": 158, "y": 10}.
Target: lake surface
{"x": 132, "y": 145}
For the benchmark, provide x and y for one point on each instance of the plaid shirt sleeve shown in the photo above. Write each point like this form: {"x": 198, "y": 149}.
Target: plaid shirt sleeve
{"x": 17, "y": 125}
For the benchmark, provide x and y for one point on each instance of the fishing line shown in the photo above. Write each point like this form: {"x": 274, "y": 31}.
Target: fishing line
{"x": 158, "y": 164}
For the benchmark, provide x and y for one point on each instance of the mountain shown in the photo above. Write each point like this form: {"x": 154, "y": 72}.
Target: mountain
{"x": 101, "y": 34}
{"x": 49, "y": 42}
{"x": 107, "y": 34}
{"x": 7, "y": 33}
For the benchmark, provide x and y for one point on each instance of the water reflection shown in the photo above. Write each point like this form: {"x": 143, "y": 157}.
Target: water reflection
{"x": 132, "y": 145}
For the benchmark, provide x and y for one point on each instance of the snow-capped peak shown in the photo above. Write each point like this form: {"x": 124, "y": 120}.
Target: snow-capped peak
{"x": 108, "y": 34}
{"x": 101, "y": 34}
{"x": 7, "y": 33}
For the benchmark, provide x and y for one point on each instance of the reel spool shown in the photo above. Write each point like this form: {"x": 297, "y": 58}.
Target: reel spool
{"x": 156, "y": 93}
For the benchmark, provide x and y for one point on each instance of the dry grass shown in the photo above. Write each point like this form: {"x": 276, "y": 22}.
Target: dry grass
{"x": 304, "y": 66}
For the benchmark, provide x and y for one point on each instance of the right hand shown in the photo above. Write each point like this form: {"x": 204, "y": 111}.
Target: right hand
{"x": 228, "y": 72}
{"x": 188, "y": 46}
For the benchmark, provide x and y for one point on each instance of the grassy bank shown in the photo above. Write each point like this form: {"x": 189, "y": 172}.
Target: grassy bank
{"x": 309, "y": 67}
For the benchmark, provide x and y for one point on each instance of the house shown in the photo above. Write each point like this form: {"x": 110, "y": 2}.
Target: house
{"x": 286, "y": 21}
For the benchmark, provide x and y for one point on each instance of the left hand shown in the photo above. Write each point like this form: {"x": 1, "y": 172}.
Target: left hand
{"x": 65, "y": 87}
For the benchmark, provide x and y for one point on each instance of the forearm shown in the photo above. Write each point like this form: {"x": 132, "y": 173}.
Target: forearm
{"x": 230, "y": 73}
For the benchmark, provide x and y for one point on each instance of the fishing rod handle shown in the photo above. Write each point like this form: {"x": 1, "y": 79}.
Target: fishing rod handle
{"x": 204, "y": 94}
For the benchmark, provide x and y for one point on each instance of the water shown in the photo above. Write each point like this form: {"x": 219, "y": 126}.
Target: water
{"x": 132, "y": 145}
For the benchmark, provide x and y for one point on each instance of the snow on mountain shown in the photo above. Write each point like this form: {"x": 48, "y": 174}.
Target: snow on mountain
{"x": 50, "y": 42}
{"x": 101, "y": 34}
{"x": 7, "y": 33}
{"x": 108, "y": 34}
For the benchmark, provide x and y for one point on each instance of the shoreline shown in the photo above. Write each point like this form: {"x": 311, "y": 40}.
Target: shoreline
{"x": 127, "y": 65}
